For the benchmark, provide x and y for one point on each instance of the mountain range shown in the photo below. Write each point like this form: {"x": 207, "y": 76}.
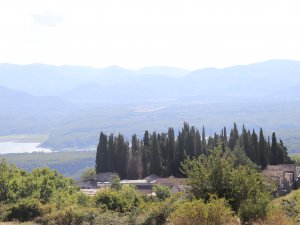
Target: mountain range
{"x": 74, "y": 103}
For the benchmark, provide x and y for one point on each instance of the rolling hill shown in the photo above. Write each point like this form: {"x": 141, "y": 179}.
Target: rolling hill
{"x": 74, "y": 103}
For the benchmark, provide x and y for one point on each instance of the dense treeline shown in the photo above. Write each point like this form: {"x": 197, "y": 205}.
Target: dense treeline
{"x": 162, "y": 153}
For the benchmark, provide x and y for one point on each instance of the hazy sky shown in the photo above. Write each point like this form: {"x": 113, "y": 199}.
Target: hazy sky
{"x": 136, "y": 33}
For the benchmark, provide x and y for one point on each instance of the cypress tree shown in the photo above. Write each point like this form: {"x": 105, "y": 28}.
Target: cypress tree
{"x": 122, "y": 149}
{"x": 101, "y": 155}
{"x": 286, "y": 158}
{"x": 189, "y": 144}
{"x": 145, "y": 155}
{"x": 204, "y": 148}
{"x": 180, "y": 156}
{"x": 197, "y": 144}
{"x": 134, "y": 159}
{"x": 245, "y": 141}
{"x": 111, "y": 153}
{"x": 254, "y": 140}
{"x": 274, "y": 150}
{"x": 234, "y": 137}
{"x": 262, "y": 147}
{"x": 268, "y": 151}
{"x": 155, "y": 160}
{"x": 171, "y": 149}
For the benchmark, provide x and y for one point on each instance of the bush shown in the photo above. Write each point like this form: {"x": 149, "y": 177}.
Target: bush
{"x": 162, "y": 192}
{"x": 132, "y": 196}
{"x": 289, "y": 207}
{"x": 253, "y": 209}
{"x": 69, "y": 216}
{"x": 157, "y": 213}
{"x": 216, "y": 212}
{"x": 25, "y": 210}
{"x": 111, "y": 199}
{"x": 5, "y": 210}
{"x": 275, "y": 216}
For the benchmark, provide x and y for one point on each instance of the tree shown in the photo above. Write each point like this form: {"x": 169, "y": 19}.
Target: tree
{"x": 122, "y": 149}
{"x": 101, "y": 156}
{"x": 145, "y": 155}
{"x": 219, "y": 174}
{"x": 254, "y": 140}
{"x": 286, "y": 158}
{"x": 274, "y": 151}
{"x": 171, "y": 149}
{"x": 197, "y": 144}
{"x": 234, "y": 136}
{"x": 245, "y": 140}
{"x": 111, "y": 154}
{"x": 204, "y": 149}
{"x": 162, "y": 192}
{"x": 115, "y": 183}
{"x": 134, "y": 170}
{"x": 262, "y": 147}
{"x": 88, "y": 174}
{"x": 155, "y": 160}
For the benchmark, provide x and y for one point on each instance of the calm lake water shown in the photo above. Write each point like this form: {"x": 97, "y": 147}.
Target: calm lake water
{"x": 13, "y": 147}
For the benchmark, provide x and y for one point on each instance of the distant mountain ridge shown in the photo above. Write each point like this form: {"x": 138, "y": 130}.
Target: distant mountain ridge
{"x": 260, "y": 79}
{"x": 73, "y": 103}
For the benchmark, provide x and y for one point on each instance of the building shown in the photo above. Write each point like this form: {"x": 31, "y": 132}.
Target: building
{"x": 145, "y": 185}
{"x": 286, "y": 175}
{"x": 175, "y": 184}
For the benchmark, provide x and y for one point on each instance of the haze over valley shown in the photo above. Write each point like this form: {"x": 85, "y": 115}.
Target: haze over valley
{"x": 70, "y": 105}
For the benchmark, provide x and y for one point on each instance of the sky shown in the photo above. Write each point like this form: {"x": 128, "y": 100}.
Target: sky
{"x": 189, "y": 34}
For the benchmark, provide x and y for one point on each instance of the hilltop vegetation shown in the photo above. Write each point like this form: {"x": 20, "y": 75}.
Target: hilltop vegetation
{"x": 222, "y": 189}
{"x": 69, "y": 163}
{"x": 163, "y": 153}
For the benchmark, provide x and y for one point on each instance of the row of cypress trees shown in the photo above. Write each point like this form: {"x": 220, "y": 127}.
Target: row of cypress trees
{"x": 162, "y": 153}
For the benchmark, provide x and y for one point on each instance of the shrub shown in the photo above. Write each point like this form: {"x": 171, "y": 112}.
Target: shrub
{"x": 68, "y": 216}
{"x": 162, "y": 192}
{"x": 275, "y": 216}
{"x": 253, "y": 209}
{"x": 25, "y": 210}
{"x": 5, "y": 210}
{"x": 216, "y": 212}
{"x": 111, "y": 199}
{"x": 157, "y": 213}
{"x": 132, "y": 196}
{"x": 290, "y": 208}
{"x": 115, "y": 182}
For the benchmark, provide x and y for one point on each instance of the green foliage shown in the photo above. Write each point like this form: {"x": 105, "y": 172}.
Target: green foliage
{"x": 68, "y": 216}
{"x": 25, "y": 210}
{"x": 290, "y": 208}
{"x": 115, "y": 182}
{"x": 157, "y": 213}
{"x": 132, "y": 196}
{"x": 87, "y": 174}
{"x": 220, "y": 174}
{"x": 69, "y": 163}
{"x": 125, "y": 199}
{"x": 162, "y": 192}
{"x": 296, "y": 158}
{"x": 215, "y": 212}
{"x": 254, "y": 208}
{"x": 162, "y": 153}
{"x": 110, "y": 199}
{"x": 42, "y": 184}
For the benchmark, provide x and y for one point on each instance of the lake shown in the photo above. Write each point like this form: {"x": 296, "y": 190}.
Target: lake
{"x": 13, "y": 147}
